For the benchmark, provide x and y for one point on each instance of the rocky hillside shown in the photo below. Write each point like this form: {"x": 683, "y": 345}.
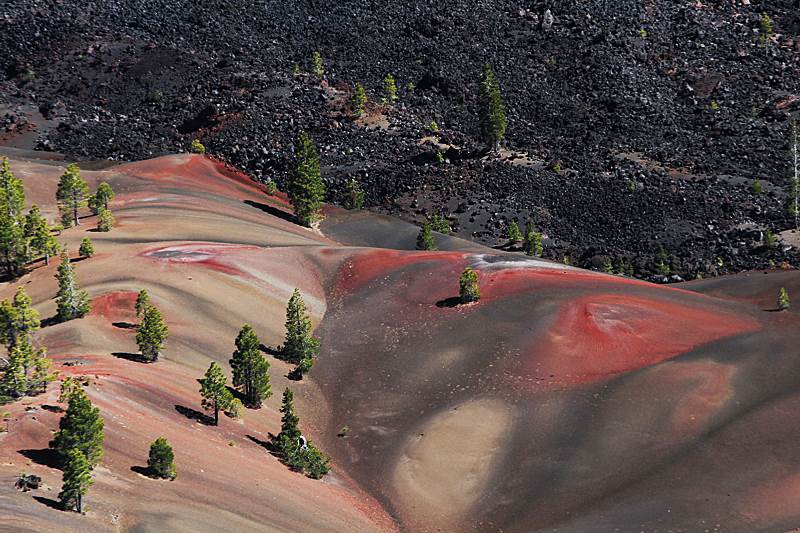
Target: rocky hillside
{"x": 645, "y": 124}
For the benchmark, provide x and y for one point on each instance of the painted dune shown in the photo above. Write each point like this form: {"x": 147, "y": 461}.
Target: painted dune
{"x": 563, "y": 399}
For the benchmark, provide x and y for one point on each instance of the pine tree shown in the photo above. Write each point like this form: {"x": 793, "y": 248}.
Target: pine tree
{"x": 783, "y": 300}
{"x": 69, "y": 386}
{"x": 12, "y": 192}
{"x": 766, "y": 33}
{"x": 161, "y": 461}
{"x": 87, "y": 248}
{"x": 72, "y": 194}
{"x": 18, "y": 318}
{"x": 306, "y": 189}
{"x": 81, "y": 428}
{"x": 100, "y": 199}
{"x": 493, "y": 112}
{"x": 76, "y": 481}
{"x": 152, "y": 334}
{"x": 13, "y": 246}
{"x": 425, "y": 239}
{"x": 469, "y": 291}
{"x": 142, "y": 302}
{"x": 27, "y": 371}
{"x": 299, "y": 343}
{"x": 358, "y": 100}
{"x": 533, "y": 242}
{"x": 317, "y": 66}
{"x": 514, "y": 234}
{"x": 250, "y": 368}
{"x": 390, "y": 88}
{"x": 214, "y": 390}
{"x": 307, "y": 459}
{"x": 39, "y": 235}
{"x": 72, "y": 301}
{"x": 355, "y": 195}
{"x": 290, "y": 430}
{"x": 105, "y": 221}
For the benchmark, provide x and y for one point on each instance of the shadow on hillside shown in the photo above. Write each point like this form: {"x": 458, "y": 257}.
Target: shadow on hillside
{"x": 52, "y": 321}
{"x": 45, "y": 457}
{"x": 135, "y": 357}
{"x": 454, "y": 301}
{"x": 193, "y": 414}
{"x": 78, "y": 259}
{"x": 143, "y": 470}
{"x": 266, "y": 444}
{"x": 274, "y": 211}
{"x": 54, "y": 504}
{"x": 124, "y": 325}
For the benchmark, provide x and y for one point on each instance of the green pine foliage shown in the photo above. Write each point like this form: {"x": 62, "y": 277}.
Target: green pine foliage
{"x": 105, "y": 221}
{"x": 299, "y": 344}
{"x": 18, "y": 318}
{"x": 39, "y": 235}
{"x": 197, "y": 147}
{"x": 493, "y": 111}
{"x": 317, "y": 66}
{"x": 72, "y": 194}
{"x": 161, "y": 461}
{"x": 69, "y": 386}
{"x": 355, "y": 195}
{"x": 358, "y": 101}
{"x": 81, "y": 428}
{"x": 152, "y": 334}
{"x": 100, "y": 199}
{"x": 514, "y": 233}
{"x": 390, "y": 89}
{"x": 309, "y": 460}
{"x": 250, "y": 368}
{"x": 27, "y": 371}
{"x": 469, "y": 291}
{"x": 439, "y": 223}
{"x": 76, "y": 480}
{"x": 86, "y": 248}
{"x": 214, "y": 390}
{"x": 142, "y": 302}
{"x": 306, "y": 189}
{"x": 425, "y": 239}
{"x": 13, "y": 245}
{"x": 783, "y": 300}
{"x": 71, "y": 300}
{"x": 532, "y": 244}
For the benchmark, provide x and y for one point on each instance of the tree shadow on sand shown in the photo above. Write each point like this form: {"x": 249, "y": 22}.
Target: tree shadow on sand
{"x": 45, "y": 457}
{"x": 266, "y": 444}
{"x": 193, "y": 414}
{"x": 52, "y": 321}
{"x": 54, "y": 504}
{"x": 143, "y": 470}
{"x": 124, "y": 325}
{"x": 453, "y": 301}
{"x": 274, "y": 211}
{"x": 135, "y": 357}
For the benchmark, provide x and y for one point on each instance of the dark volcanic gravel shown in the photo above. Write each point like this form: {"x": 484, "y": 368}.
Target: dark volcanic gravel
{"x": 660, "y": 114}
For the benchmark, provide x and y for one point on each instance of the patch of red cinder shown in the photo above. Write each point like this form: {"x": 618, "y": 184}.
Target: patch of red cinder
{"x": 115, "y": 305}
{"x": 364, "y": 267}
{"x": 601, "y": 335}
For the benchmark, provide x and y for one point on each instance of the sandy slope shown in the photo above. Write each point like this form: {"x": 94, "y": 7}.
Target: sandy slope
{"x": 563, "y": 399}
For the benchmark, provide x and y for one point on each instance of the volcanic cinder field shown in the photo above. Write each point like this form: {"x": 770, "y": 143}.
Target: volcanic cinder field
{"x": 563, "y": 400}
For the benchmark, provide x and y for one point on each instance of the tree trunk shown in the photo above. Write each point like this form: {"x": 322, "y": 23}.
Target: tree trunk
{"x": 47, "y": 258}
{"x": 216, "y": 413}
{"x": 80, "y": 504}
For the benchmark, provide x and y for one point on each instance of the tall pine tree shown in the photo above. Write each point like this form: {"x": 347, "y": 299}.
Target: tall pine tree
{"x": 72, "y": 194}
{"x": 39, "y": 235}
{"x": 18, "y": 318}
{"x": 493, "y": 111}
{"x": 299, "y": 343}
{"x": 72, "y": 301}
{"x": 81, "y": 428}
{"x": 76, "y": 481}
{"x": 250, "y": 368}
{"x": 13, "y": 247}
{"x": 100, "y": 199}
{"x": 306, "y": 189}
{"x": 152, "y": 334}
{"x": 214, "y": 390}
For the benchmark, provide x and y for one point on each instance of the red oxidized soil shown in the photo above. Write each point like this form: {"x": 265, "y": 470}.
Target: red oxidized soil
{"x": 115, "y": 305}
{"x": 363, "y": 268}
{"x": 605, "y": 334}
